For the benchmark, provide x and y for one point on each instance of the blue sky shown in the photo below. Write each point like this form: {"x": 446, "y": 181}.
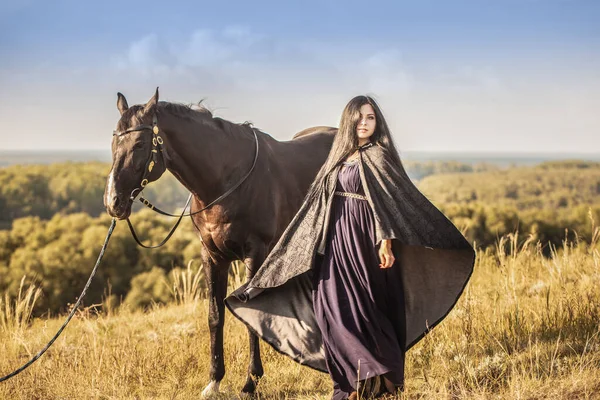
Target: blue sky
{"x": 477, "y": 75}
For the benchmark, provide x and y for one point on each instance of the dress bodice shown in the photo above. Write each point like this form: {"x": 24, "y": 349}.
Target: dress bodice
{"x": 349, "y": 178}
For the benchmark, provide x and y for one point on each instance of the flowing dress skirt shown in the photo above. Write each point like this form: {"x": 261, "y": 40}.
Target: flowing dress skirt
{"x": 359, "y": 306}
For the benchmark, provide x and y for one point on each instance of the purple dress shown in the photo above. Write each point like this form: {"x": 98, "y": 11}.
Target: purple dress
{"x": 359, "y": 307}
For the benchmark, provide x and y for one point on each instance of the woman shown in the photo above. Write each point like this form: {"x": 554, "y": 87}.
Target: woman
{"x": 354, "y": 294}
{"x": 366, "y": 267}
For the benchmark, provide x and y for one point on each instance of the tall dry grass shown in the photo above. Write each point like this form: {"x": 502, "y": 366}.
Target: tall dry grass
{"x": 16, "y": 314}
{"x": 526, "y": 327}
{"x": 187, "y": 284}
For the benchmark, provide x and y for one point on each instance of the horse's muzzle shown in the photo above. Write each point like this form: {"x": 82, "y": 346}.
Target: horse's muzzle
{"x": 119, "y": 207}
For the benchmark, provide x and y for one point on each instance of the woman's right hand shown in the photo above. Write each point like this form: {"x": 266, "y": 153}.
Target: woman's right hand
{"x": 386, "y": 256}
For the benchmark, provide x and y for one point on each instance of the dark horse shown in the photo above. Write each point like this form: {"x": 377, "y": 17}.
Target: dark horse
{"x": 209, "y": 155}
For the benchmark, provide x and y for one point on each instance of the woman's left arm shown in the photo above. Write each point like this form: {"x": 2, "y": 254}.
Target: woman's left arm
{"x": 385, "y": 254}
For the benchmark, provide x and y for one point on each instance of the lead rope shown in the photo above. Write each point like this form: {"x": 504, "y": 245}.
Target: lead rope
{"x": 75, "y": 307}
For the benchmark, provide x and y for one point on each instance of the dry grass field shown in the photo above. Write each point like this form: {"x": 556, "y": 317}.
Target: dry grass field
{"x": 527, "y": 327}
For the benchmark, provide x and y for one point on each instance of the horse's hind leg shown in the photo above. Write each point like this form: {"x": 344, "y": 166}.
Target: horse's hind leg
{"x": 216, "y": 275}
{"x": 255, "y": 368}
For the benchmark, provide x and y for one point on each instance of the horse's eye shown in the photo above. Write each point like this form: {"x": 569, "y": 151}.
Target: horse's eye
{"x": 139, "y": 161}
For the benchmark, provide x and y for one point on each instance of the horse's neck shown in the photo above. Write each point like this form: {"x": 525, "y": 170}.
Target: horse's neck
{"x": 202, "y": 157}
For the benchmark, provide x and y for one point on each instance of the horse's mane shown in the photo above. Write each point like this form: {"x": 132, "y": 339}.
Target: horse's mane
{"x": 200, "y": 113}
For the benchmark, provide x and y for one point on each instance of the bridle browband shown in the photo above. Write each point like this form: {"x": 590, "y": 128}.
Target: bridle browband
{"x": 157, "y": 142}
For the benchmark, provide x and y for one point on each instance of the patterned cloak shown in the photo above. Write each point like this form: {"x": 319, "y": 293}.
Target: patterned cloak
{"x": 435, "y": 259}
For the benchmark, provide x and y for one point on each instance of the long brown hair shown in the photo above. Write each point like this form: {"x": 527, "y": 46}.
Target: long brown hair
{"x": 346, "y": 139}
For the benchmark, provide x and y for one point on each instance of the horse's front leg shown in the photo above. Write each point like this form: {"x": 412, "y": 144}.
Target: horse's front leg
{"x": 216, "y": 275}
{"x": 255, "y": 368}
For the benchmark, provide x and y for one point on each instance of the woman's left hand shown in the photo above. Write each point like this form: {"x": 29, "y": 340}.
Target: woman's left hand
{"x": 385, "y": 254}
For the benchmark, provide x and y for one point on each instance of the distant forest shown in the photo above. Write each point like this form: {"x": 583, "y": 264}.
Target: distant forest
{"x": 53, "y": 222}
{"x": 65, "y": 188}
{"x": 482, "y": 199}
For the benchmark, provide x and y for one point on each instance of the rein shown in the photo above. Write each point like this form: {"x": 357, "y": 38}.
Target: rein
{"x": 157, "y": 142}
{"x": 72, "y": 313}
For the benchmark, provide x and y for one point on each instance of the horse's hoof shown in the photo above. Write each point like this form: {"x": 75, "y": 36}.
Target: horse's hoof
{"x": 250, "y": 386}
{"x": 211, "y": 389}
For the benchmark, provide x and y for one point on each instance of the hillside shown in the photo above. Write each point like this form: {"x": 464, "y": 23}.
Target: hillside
{"x": 527, "y": 327}
{"x": 545, "y": 200}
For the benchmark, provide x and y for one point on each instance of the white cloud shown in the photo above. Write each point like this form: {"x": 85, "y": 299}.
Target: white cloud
{"x": 387, "y": 74}
{"x": 203, "y": 48}
{"x": 242, "y": 35}
{"x": 144, "y": 51}
{"x": 147, "y": 56}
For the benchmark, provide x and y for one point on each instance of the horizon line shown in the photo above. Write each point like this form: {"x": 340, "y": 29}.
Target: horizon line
{"x": 463, "y": 152}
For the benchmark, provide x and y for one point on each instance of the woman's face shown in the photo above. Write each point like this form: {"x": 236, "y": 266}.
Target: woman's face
{"x": 366, "y": 124}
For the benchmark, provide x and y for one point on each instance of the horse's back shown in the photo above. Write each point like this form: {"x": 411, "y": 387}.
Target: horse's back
{"x": 302, "y": 156}
{"x": 315, "y": 129}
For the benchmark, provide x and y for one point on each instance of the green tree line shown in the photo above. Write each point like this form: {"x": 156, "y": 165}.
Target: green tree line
{"x": 58, "y": 255}
{"x": 544, "y": 200}
{"x": 66, "y": 188}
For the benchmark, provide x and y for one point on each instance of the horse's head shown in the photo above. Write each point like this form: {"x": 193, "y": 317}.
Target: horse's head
{"x": 136, "y": 156}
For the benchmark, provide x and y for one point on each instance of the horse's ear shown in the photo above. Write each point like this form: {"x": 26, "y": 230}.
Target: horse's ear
{"x": 151, "y": 103}
{"x": 121, "y": 103}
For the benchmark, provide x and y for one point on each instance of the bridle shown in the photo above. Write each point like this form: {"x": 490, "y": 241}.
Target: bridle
{"x": 157, "y": 142}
